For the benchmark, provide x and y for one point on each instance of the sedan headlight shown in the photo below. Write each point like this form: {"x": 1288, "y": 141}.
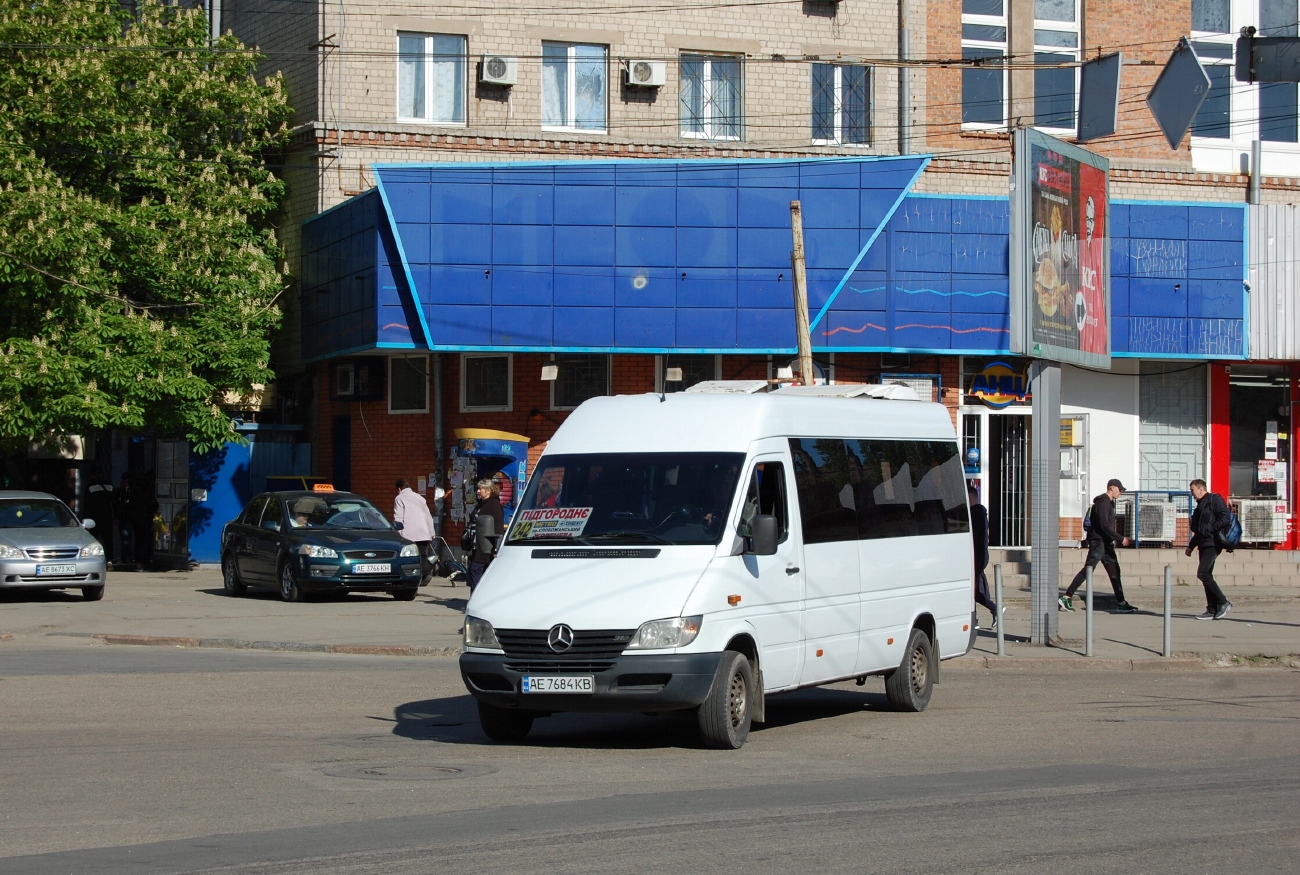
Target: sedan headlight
{"x": 95, "y": 549}
{"x": 410, "y": 550}
{"x": 673, "y": 632}
{"x": 479, "y": 633}
{"x": 317, "y": 551}
{"x": 7, "y": 552}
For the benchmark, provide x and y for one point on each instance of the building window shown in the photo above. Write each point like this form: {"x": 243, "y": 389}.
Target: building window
{"x": 1056, "y": 41}
{"x": 1235, "y": 113}
{"x": 574, "y": 87}
{"x": 486, "y": 381}
{"x": 408, "y": 384}
{"x": 1277, "y": 100}
{"x": 711, "y": 97}
{"x": 841, "y": 105}
{"x": 984, "y": 86}
{"x": 579, "y": 377}
{"x": 431, "y": 78}
{"x": 694, "y": 368}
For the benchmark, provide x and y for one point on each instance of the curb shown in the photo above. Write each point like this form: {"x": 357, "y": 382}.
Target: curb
{"x": 280, "y": 646}
{"x": 1078, "y": 663}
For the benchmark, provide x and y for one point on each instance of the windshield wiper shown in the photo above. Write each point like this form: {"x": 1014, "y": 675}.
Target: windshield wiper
{"x": 649, "y": 536}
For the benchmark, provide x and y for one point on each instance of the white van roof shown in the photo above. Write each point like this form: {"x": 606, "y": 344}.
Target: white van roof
{"x": 729, "y": 422}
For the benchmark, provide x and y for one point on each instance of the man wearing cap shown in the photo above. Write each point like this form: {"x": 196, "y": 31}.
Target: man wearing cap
{"x": 1102, "y": 535}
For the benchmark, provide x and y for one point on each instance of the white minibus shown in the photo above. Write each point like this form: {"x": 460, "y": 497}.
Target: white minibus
{"x": 707, "y": 549}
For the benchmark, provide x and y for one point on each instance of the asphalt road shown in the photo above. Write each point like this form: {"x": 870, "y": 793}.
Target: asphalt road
{"x": 153, "y": 760}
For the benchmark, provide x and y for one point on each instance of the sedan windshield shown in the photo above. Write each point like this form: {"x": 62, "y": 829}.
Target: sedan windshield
{"x": 336, "y": 512}
{"x": 628, "y": 498}
{"x": 35, "y": 513}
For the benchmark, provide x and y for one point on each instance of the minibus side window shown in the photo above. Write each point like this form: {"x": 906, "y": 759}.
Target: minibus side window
{"x": 827, "y": 505}
{"x": 766, "y": 495}
{"x": 885, "y": 493}
{"x": 938, "y": 486}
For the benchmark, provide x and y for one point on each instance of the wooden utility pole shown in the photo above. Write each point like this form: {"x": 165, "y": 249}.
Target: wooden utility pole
{"x": 806, "y": 374}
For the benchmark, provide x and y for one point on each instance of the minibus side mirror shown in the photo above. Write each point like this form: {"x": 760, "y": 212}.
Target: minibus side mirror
{"x": 762, "y": 540}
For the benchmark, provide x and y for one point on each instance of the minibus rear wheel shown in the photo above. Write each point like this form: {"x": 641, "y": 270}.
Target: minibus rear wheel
{"x": 910, "y": 685}
{"x": 503, "y": 724}
{"x": 725, "y": 716}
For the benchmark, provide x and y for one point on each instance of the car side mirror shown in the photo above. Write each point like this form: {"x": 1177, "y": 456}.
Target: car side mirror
{"x": 398, "y": 526}
{"x": 763, "y": 535}
{"x": 271, "y": 525}
{"x": 87, "y": 524}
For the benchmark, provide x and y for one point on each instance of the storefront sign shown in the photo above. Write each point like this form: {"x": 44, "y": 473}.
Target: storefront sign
{"x": 999, "y": 385}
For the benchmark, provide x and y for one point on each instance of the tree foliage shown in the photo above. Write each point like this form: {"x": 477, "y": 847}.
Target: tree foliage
{"x": 138, "y": 267}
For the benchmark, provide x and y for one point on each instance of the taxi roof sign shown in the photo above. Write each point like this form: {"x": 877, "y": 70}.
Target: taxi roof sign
{"x": 322, "y": 487}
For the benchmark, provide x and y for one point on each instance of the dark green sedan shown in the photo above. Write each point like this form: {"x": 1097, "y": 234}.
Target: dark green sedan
{"x": 317, "y": 542}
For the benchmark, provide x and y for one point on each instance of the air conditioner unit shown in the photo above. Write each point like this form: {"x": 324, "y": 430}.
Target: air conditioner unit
{"x": 1261, "y": 520}
{"x": 499, "y": 70}
{"x": 646, "y": 74}
{"x": 1157, "y": 520}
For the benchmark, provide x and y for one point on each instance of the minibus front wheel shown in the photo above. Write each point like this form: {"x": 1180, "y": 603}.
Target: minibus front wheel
{"x": 504, "y": 724}
{"x": 725, "y": 716}
{"x": 910, "y": 685}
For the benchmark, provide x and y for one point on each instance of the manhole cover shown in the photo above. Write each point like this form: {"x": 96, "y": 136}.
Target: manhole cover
{"x": 405, "y": 771}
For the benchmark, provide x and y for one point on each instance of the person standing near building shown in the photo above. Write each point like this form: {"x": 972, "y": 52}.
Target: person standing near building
{"x": 141, "y": 508}
{"x": 121, "y": 501}
{"x": 487, "y": 521}
{"x": 412, "y": 511}
{"x": 1211, "y": 517}
{"x": 1102, "y": 536}
{"x": 99, "y": 507}
{"x": 979, "y": 529}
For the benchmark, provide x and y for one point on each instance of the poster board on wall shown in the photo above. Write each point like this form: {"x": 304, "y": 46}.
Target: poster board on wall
{"x": 1060, "y": 252}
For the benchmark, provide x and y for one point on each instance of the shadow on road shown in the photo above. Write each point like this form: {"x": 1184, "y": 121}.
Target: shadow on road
{"x": 454, "y": 720}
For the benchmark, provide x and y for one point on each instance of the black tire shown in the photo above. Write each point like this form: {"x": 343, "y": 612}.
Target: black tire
{"x": 92, "y": 593}
{"x": 725, "y": 716}
{"x": 910, "y": 685}
{"x": 503, "y": 724}
{"x": 289, "y": 589}
{"x": 230, "y": 578}
{"x": 406, "y": 594}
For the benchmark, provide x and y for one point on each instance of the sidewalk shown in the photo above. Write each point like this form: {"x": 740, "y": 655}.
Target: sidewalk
{"x": 189, "y": 609}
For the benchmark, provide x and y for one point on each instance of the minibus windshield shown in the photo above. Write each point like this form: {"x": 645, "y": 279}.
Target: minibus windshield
{"x": 628, "y": 498}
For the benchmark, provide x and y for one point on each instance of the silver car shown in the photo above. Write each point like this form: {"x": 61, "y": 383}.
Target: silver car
{"x": 44, "y": 546}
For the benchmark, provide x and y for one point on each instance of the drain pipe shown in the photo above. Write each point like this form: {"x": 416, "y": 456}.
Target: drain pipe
{"x": 437, "y": 426}
{"x": 904, "y": 82}
{"x": 1256, "y": 157}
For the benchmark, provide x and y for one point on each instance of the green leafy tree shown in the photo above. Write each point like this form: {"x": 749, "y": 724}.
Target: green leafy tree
{"x": 138, "y": 267}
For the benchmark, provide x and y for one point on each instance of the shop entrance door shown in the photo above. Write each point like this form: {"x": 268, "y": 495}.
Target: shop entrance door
{"x": 1002, "y": 437}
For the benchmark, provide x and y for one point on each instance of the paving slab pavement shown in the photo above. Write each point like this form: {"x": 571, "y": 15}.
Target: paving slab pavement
{"x": 189, "y": 609}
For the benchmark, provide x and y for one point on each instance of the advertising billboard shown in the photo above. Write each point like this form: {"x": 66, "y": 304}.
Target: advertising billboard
{"x": 1060, "y": 252}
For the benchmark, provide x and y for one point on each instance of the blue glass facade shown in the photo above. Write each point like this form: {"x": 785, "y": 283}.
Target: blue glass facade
{"x": 694, "y": 256}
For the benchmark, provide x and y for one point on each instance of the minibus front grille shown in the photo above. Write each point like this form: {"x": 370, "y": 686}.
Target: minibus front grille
{"x": 552, "y": 666}
{"x": 595, "y": 644}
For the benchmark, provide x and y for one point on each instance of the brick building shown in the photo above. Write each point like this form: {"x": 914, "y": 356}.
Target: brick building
{"x": 447, "y": 91}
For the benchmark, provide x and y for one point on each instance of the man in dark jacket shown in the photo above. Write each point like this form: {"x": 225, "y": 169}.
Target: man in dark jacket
{"x": 979, "y": 529}
{"x": 1210, "y": 517}
{"x": 1102, "y": 535}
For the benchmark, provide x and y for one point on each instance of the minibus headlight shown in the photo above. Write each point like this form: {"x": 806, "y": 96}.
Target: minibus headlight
{"x": 673, "y": 632}
{"x": 410, "y": 550}
{"x": 479, "y": 633}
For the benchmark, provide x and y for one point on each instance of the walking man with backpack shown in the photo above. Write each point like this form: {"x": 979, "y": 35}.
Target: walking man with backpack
{"x": 1211, "y": 520}
{"x": 1102, "y": 535}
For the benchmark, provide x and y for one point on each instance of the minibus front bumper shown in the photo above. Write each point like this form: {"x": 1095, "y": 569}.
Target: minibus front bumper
{"x": 644, "y": 682}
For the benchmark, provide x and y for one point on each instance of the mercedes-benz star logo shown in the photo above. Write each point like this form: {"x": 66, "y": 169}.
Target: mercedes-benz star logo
{"x": 560, "y": 638}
